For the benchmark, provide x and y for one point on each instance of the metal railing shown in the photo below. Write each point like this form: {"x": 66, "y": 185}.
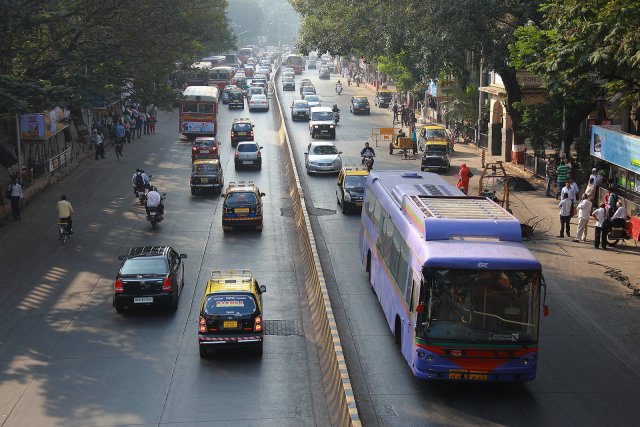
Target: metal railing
{"x": 60, "y": 160}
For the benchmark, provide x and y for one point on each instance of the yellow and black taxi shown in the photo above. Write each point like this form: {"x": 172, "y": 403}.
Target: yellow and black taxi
{"x": 434, "y": 141}
{"x": 149, "y": 276}
{"x": 242, "y": 206}
{"x": 231, "y": 313}
{"x": 206, "y": 174}
{"x": 241, "y": 130}
{"x": 236, "y": 99}
{"x": 205, "y": 147}
{"x": 351, "y": 183}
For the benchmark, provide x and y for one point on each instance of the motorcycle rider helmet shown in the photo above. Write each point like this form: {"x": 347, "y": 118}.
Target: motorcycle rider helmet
{"x": 137, "y": 170}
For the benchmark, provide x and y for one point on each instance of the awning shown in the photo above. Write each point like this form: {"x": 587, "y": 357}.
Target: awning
{"x": 494, "y": 90}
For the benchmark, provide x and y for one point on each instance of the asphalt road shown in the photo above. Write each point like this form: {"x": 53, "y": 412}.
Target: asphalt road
{"x": 68, "y": 359}
{"x": 588, "y": 367}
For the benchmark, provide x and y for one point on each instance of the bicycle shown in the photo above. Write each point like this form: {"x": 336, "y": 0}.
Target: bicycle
{"x": 63, "y": 232}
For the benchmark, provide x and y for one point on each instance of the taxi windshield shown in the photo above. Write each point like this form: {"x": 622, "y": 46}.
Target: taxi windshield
{"x": 229, "y": 305}
{"x": 436, "y": 133}
{"x": 436, "y": 148}
{"x": 241, "y": 198}
{"x": 203, "y": 143}
{"x": 355, "y": 182}
{"x": 206, "y": 168}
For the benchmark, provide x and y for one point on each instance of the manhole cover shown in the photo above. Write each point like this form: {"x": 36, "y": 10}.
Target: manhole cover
{"x": 283, "y": 327}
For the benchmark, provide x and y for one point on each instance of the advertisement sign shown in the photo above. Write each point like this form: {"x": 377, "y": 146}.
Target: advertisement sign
{"x": 191, "y": 126}
{"x": 43, "y": 126}
{"x": 621, "y": 149}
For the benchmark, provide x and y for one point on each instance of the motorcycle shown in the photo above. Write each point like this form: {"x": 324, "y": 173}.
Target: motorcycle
{"x": 336, "y": 116}
{"x": 141, "y": 193}
{"x": 63, "y": 232}
{"x": 367, "y": 161}
{"x": 617, "y": 231}
{"x": 338, "y": 89}
{"x": 155, "y": 215}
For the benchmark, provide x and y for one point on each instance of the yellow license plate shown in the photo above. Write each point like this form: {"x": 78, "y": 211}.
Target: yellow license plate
{"x": 204, "y": 180}
{"x": 230, "y": 324}
{"x": 359, "y": 204}
{"x": 455, "y": 374}
{"x": 241, "y": 210}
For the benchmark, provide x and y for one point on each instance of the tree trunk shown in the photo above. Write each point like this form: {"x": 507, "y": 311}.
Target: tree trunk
{"x": 78, "y": 121}
{"x": 514, "y": 94}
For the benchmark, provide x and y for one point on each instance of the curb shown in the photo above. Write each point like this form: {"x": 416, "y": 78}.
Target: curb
{"x": 343, "y": 410}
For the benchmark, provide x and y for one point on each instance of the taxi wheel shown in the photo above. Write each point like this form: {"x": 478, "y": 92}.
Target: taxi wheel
{"x": 203, "y": 351}
{"x": 259, "y": 350}
{"x": 193, "y": 191}
{"x": 343, "y": 208}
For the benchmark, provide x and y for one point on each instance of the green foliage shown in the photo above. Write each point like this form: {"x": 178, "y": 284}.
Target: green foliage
{"x": 71, "y": 52}
{"x": 541, "y": 126}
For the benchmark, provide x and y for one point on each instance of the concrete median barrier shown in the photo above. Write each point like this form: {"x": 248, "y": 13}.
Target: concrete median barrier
{"x": 335, "y": 375}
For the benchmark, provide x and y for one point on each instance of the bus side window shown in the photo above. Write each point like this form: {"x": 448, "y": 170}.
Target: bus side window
{"x": 409, "y": 293}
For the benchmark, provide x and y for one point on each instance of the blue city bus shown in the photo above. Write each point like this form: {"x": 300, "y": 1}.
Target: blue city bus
{"x": 459, "y": 290}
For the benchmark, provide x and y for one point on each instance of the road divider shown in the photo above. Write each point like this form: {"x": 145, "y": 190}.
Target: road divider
{"x": 335, "y": 375}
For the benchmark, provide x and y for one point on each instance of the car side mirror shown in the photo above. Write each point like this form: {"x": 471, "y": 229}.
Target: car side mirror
{"x": 183, "y": 256}
{"x": 262, "y": 194}
{"x": 305, "y": 153}
{"x": 222, "y": 195}
{"x": 261, "y": 147}
{"x": 339, "y": 152}
{"x": 120, "y": 257}
{"x": 263, "y": 289}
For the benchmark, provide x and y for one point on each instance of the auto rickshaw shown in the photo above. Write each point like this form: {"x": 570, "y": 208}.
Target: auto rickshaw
{"x": 494, "y": 184}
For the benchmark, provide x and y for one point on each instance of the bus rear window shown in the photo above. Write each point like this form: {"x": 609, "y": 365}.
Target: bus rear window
{"x": 205, "y": 108}
{"x": 190, "y": 107}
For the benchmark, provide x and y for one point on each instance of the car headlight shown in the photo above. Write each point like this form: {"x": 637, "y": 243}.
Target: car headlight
{"x": 331, "y": 126}
{"x": 315, "y": 126}
{"x": 347, "y": 197}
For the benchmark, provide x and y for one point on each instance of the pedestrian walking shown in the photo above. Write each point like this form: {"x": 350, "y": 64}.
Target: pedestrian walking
{"x": 395, "y": 112}
{"x": 612, "y": 202}
{"x": 550, "y": 175}
{"x": 600, "y": 216}
{"x": 119, "y": 147}
{"x": 127, "y": 131}
{"x": 120, "y": 131}
{"x": 152, "y": 122}
{"x": 565, "y": 215}
{"x": 463, "y": 178}
{"x": 98, "y": 142}
{"x": 584, "y": 214}
{"x": 414, "y": 140}
{"x": 561, "y": 175}
{"x": 590, "y": 192}
{"x": 14, "y": 193}
{"x": 139, "y": 126}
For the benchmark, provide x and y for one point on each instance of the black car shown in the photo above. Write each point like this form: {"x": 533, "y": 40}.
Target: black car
{"x": 288, "y": 84}
{"x": 149, "y": 276}
{"x": 360, "y": 104}
{"x": 324, "y": 74}
{"x": 383, "y": 99}
{"x": 236, "y": 99}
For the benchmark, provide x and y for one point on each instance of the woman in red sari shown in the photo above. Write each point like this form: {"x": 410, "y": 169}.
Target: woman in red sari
{"x": 463, "y": 178}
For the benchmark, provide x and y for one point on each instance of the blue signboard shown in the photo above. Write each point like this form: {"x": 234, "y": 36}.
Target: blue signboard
{"x": 432, "y": 88}
{"x": 621, "y": 149}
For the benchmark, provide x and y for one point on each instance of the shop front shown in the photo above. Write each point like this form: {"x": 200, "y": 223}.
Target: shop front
{"x": 618, "y": 154}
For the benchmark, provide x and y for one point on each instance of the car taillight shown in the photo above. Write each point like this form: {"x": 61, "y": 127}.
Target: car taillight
{"x": 258, "y": 210}
{"x": 257, "y": 326}
{"x": 237, "y": 155}
{"x": 251, "y": 133}
{"x": 194, "y": 148}
{"x": 166, "y": 285}
{"x": 202, "y": 326}
{"x": 259, "y": 153}
{"x": 118, "y": 287}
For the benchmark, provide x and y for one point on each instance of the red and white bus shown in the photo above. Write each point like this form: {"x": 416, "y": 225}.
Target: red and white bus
{"x": 198, "y": 74}
{"x": 199, "y": 111}
{"x": 296, "y": 62}
{"x": 221, "y": 76}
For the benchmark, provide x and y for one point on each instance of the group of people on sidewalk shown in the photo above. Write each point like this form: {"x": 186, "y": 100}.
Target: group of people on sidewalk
{"x": 608, "y": 212}
{"x": 132, "y": 123}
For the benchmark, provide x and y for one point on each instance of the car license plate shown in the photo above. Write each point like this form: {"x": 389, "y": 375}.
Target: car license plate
{"x": 359, "y": 204}
{"x": 242, "y": 133}
{"x": 204, "y": 151}
{"x": 241, "y": 210}
{"x": 152, "y": 213}
{"x": 457, "y": 374}
{"x": 142, "y": 300}
{"x": 204, "y": 180}
{"x": 247, "y": 162}
{"x": 230, "y": 324}
{"x": 324, "y": 131}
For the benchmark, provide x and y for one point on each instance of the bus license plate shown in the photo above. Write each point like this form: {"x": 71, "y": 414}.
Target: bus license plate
{"x": 143, "y": 300}
{"x": 230, "y": 324}
{"x": 204, "y": 180}
{"x": 456, "y": 374}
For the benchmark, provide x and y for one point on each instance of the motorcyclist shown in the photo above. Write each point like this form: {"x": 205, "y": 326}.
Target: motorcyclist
{"x": 367, "y": 151}
{"x": 154, "y": 200}
{"x": 65, "y": 210}
{"x": 335, "y": 108}
{"x": 140, "y": 181}
{"x": 338, "y": 87}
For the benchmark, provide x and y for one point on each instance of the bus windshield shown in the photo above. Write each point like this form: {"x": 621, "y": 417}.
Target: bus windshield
{"x": 481, "y": 305}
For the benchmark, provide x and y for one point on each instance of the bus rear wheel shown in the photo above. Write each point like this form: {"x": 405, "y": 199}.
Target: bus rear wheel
{"x": 398, "y": 332}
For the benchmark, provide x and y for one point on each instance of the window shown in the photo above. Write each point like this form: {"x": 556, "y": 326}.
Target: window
{"x": 247, "y": 148}
{"x": 387, "y": 239}
{"x": 190, "y": 107}
{"x": 403, "y": 264}
{"x": 370, "y": 203}
{"x": 205, "y": 108}
{"x": 378, "y": 218}
{"x": 225, "y": 305}
{"x": 394, "y": 255}
{"x": 241, "y": 198}
{"x": 143, "y": 265}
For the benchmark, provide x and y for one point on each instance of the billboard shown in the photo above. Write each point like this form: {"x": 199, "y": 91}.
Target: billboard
{"x": 43, "y": 126}
{"x": 621, "y": 149}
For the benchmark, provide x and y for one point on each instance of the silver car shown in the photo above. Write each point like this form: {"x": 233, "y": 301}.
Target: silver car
{"x": 322, "y": 157}
{"x": 300, "y": 110}
{"x": 258, "y": 102}
{"x": 313, "y": 100}
{"x": 248, "y": 153}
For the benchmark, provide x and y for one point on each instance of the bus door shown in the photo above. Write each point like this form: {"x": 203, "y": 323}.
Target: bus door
{"x": 409, "y": 331}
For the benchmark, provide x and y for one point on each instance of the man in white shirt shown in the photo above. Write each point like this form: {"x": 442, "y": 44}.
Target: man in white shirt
{"x": 600, "y": 215}
{"x": 619, "y": 218}
{"x": 584, "y": 213}
{"x": 154, "y": 200}
{"x": 596, "y": 177}
{"x": 565, "y": 214}
{"x": 143, "y": 178}
{"x": 14, "y": 191}
{"x": 569, "y": 190}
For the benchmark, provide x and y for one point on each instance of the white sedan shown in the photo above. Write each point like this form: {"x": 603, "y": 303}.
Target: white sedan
{"x": 313, "y": 100}
{"x": 259, "y": 102}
